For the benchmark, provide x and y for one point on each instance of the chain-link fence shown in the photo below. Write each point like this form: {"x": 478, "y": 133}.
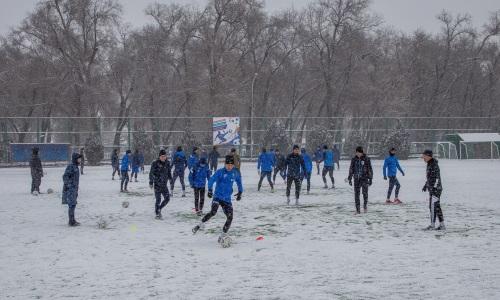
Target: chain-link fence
{"x": 274, "y": 132}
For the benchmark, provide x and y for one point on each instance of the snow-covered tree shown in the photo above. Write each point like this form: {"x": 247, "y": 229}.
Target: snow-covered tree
{"x": 318, "y": 137}
{"x": 398, "y": 138}
{"x": 276, "y": 137}
{"x": 355, "y": 139}
{"x": 94, "y": 150}
{"x": 145, "y": 145}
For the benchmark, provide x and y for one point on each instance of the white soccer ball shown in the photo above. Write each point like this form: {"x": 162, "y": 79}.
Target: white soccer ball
{"x": 102, "y": 223}
{"x": 125, "y": 204}
{"x": 50, "y": 191}
{"x": 226, "y": 241}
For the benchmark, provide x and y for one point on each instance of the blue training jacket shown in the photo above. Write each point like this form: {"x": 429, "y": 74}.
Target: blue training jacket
{"x": 307, "y": 162}
{"x": 224, "y": 181}
{"x": 192, "y": 161}
{"x": 318, "y": 155}
{"x": 201, "y": 173}
{"x": 265, "y": 162}
{"x": 391, "y": 166}
{"x": 125, "y": 163}
{"x": 179, "y": 161}
{"x": 328, "y": 158}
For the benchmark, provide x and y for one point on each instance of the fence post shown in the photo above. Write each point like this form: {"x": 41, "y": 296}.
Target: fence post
{"x": 38, "y": 130}
{"x": 128, "y": 132}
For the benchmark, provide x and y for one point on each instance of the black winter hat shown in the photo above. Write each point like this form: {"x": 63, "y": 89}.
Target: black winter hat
{"x": 427, "y": 152}
{"x": 128, "y": 151}
{"x": 203, "y": 161}
{"x": 296, "y": 147}
{"x": 179, "y": 148}
{"x": 163, "y": 152}
{"x": 325, "y": 147}
{"x": 35, "y": 150}
{"x": 195, "y": 149}
{"x": 229, "y": 160}
{"x": 359, "y": 149}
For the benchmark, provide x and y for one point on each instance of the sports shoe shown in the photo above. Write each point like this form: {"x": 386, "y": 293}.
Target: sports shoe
{"x": 326, "y": 186}
{"x": 287, "y": 200}
{"x": 159, "y": 216}
{"x": 183, "y": 194}
{"x": 221, "y": 237}
{"x": 365, "y": 210}
{"x": 397, "y": 201}
{"x": 388, "y": 201}
{"x": 430, "y": 227}
{"x": 297, "y": 201}
{"x": 441, "y": 227}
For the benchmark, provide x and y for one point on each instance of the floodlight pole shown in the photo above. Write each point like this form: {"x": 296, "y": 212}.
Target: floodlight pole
{"x": 251, "y": 116}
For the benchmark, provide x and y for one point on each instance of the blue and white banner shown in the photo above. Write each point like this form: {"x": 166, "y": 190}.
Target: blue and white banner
{"x": 226, "y": 131}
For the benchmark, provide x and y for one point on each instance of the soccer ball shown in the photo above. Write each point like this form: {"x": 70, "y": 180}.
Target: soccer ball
{"x": 102, "y": 223}
{"x": 226, "y": 241}
{"x": 125, "y": 204}
{"x": 50, "y": 191}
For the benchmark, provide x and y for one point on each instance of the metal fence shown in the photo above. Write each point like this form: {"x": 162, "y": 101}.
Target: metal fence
{"x": 116, "y": 132}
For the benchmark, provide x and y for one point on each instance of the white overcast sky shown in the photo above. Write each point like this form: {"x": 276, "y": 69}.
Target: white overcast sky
{"x": 403, "y": 15}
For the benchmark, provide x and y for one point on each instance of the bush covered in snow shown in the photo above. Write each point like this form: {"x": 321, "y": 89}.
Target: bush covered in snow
{"x": 398, "y": 138}
{"x": 276, "y": 137}
{"x": 189, "y": 140}
{"x": 94, "y": 150}
{"x": 318, "y": 137}
{"x": 145, "y": 145}
{"x": 354, "y": 140}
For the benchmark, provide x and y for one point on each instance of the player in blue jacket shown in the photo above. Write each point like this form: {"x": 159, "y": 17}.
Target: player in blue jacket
{"x": 124, "y": 168}
{"x": 309, "y": 167}
{"x": 318, "y": 157}
{"x": 179, "y": 162}
{"x": 328, "y": 166}
{"x": 265, "y": 168}
{"x": 223, "y": 179}
{"x": 136, "y": 165}
{"x": 391, "y": 167}
{"x": 198, "y": 181}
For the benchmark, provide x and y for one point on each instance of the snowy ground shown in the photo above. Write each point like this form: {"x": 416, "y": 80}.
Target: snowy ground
{"x": 317, "y": 251}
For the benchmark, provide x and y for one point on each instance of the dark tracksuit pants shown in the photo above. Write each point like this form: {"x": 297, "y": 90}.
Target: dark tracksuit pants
{"x": 281, "y": 171}
{"x": 298, "y": 185}
{"x": 116, "y": 170}
{"x": 133, "y": 174}
{"x": 71, "y": 212}
{"x": 435, "y": 209}
{"x": 35, "y": 183}
{"x": 360, "y": 185}
{"x": 329, "y": 171}
{"x": 179, "y": 174}
{"x": 318, "y": 163}
{"x": 125, "y": 179}
{"x": 308, "y": 178}
{"x": 159, "y": 192}
{"x": 228, "y": 211}
{"x": 199, "y": 198}
{"x": 268, "y": 175}
{"x": 393, "y": 181}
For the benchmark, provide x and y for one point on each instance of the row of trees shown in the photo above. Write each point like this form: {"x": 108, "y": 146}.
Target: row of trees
{"x": 332, "y": 59}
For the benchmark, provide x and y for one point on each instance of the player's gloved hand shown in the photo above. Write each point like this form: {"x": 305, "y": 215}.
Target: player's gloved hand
{"x": 424, "y": 189}
{"x": 350, "y": 182}
{"x": 151, "y": 185}
{"x": 403, "y": 173}
{"x": 369, "y": 181}
{"x": 385, "y": 177}
{"x": 210, "y": 194}
{"x": 258, "y": 172}
{"x": 238, "y": 196}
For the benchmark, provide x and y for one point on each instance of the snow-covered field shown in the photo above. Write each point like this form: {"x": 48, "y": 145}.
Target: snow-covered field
{"x": 316, "y": 251}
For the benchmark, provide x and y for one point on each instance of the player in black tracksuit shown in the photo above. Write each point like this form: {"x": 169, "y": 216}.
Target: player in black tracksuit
{"x": 159, "y": 176}
{"x": 434, "y": 187}
{"x": 279, "y": 165}
{"x": 362, "y": 172}
{"x": 295, "y": 171}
